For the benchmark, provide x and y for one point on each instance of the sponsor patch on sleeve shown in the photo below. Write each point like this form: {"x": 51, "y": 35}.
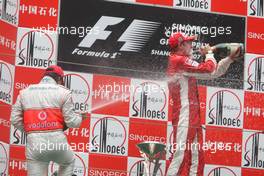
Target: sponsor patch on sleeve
{"x": 192, "y": 62}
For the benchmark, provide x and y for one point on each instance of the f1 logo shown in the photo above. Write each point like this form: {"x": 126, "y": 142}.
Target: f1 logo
{"x": 101, "y": 24}
{"x": 135, "y": 36}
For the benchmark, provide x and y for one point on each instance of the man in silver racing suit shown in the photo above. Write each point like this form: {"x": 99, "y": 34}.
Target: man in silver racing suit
{"x": 43, "y": 111}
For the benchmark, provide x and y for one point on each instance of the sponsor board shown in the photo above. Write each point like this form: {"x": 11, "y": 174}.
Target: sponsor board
{"x": 4, "y": 158}
{"x": 9, "y": 11}
{"x": 107, "y": 165}
{"x": 253, "y": 111}
{"x": 145, "y": 130}
{"x": 149, "y": 100}
{"x": 7, "y": 42}
{"x": 199, "y": 5}
{"x": 110, "y": 92}
{"x": 253, "y": 73}
{"x": 256, "y": 8}
{"x": 212, "y": 170}
{"x": 81, "y": 86}
{"x": 80, "y": 165}
{"x": 136, "y": 167}
{"x": 35, "y": 48}
{"x": 221, "y": 142}
{"x": 17, "y": 163}
{"x": 224, "y": 107}
{"x": 253, "y": 150}
{"x": 255, "y": 35}
{"x": 38, "y": 14}
{"x": 109, "y": 135}
{"x": 6, "y": 82}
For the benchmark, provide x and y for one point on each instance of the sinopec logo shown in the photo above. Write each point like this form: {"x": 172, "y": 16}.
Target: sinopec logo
{"x": 253, "y": 152}
{"x": 138, "y": 169}
{"x": 194, "y": 4}
{"x": 80, "y": 90}
{"x": 136, "y": 35}
{"x": 36, "y": 49}
{"x": 5, "y": 82}
{"x": 3, "y": 160}
{"x": 141, "y": 138}
{"x": 106, "y": 172}
{"x": 149, "y": 101}
{"x": 109, "y": 136}
{"x": 222, "y": 171}
{"x": 79, "y": 167}
{"x": 10, "y": 11}
{"x": 225, "y": 109}
{"x": 18, "y": 137}
{"x": 255, "y": 35}
{"x": 255, "y": 74}
{"x": 256, "y": 8}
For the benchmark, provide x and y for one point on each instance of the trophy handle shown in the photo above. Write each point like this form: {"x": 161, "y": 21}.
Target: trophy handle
{"x": 146, "y": 164}
{"x": 156, "y": 167}
{"x": 147, "y": 168}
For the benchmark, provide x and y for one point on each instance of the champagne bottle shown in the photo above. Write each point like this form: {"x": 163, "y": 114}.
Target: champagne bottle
{"x": 222, "y": 50}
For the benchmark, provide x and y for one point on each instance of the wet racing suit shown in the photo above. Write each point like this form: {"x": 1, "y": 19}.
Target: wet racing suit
{"x": 183, "y": 72}
{"x": 42, "y": 111}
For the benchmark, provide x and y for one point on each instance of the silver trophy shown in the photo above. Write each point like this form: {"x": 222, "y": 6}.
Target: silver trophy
{"x": 152, "y": 152}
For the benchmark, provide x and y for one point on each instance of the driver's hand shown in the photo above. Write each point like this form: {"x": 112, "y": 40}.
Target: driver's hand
{"x": 205, "y": 49}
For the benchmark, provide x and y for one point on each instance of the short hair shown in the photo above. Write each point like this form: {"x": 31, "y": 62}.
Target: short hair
{"x": 55, "y": 76}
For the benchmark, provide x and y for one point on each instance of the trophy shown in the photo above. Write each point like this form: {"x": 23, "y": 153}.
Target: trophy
{"x": 152, "y": 152}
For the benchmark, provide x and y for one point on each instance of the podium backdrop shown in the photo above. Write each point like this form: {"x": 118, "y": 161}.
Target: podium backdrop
{"x": 115, "y": 57}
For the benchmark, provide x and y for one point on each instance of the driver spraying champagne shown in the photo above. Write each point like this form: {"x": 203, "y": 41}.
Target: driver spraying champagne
{"x": 182, "y": 73}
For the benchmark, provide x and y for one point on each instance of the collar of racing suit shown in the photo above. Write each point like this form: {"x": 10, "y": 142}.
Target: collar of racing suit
{"x": 48, "y": 80}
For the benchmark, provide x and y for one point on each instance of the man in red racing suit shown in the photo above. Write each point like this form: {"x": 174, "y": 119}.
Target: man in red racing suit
{"x": 43, "y": 111}
{"x": 183, "y": 72}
